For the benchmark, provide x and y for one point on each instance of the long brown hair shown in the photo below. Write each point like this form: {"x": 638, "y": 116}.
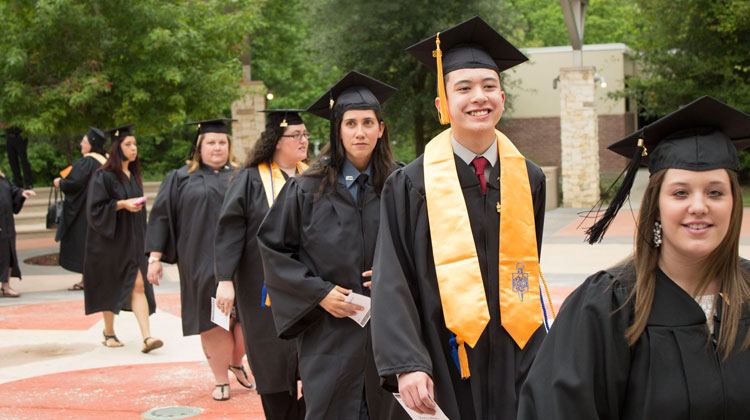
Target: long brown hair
{"x": 723, "y": 264}
{"x": 328, "y": 166}
{"x": 195, "y": 161}
{"x": 265, "y": 147}
{"x": 114, "y": 163}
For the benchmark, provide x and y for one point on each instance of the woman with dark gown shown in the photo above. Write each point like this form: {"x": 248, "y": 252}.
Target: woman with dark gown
{"x": 114, "y": 265}
{"x": 181, "y": 230}
{"x": 666, "y": 333}
{"x": 71, "y": 232}
{"x": 276, "y": 156}
{"x": 11, "y": 202}
{"x": 317, "y": 244}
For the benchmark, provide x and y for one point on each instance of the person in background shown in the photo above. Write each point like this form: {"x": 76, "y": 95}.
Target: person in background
{"x": 665, "y": 334}
{"x": 317, "y": 244}
{"x": 71, "y": 232}
{"x": 181, "y": 230}
{"x": 11, "y": 202}
{"x": 114, "y": 265}
{"x": 277, "y": 155}
{"x": 15, "y": 146}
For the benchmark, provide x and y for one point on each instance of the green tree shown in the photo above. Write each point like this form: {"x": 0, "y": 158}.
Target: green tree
{"x": 691, "y": 48}
{"x": 69, "y": 64}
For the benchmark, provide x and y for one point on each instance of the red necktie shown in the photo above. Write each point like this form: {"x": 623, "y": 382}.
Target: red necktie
{"x": 479, "y": 164}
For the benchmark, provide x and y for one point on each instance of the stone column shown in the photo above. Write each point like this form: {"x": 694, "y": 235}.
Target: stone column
{"x": 250, "y": 123}
{"x": 579, "y": 137}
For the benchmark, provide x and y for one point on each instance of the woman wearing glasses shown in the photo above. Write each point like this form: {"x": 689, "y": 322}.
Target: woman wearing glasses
{"x": 277, "y": 156}
{"x": 317, "y": 244}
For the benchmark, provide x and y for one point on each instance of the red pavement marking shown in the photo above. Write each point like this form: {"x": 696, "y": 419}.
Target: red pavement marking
{"x": 624, "y": 225}
{"x": 125, "y": 392}
{"x": 68, "y": 315}
{"x": 559, "y": 294}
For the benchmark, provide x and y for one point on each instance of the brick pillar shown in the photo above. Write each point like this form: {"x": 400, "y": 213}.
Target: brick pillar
{"x": 579, "y": 137}
{"x": 250, "y": 123}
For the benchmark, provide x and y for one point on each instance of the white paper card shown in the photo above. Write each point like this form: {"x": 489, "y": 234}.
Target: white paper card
{"x": 439, "y": 415}
{"x": 218, "y": 317}
{"x": 361, "y": 317}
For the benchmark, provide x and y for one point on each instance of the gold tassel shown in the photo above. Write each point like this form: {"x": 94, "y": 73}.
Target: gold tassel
{"x": 443, "y": 112}
{"x": 640, "y": 144}
{"x": 268, "y": 300}
{"x": 463, "y": 359}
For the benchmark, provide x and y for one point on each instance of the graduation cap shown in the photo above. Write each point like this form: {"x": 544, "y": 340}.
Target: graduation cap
{"x": 471, "y": 44}
{"x": 282, "y": 118}
{"x": 354, "y": 91}
{"x": 217, "y": 125}
{"x": 96, "y": 136}
{"x": 701, "y": 136}
{"x": 121, "y": 132}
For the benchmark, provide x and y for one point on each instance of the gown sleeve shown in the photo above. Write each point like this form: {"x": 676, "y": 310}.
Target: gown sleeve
{"x": 582, "y": 368}
{"x": 78, "y": 177}
{"x": 18, "y": 198}
{"x": 231, "y": 229}
{"x": 293, "y": 288}
{"x": 101, "y": 207}
{"x": 394, "y": 294}
{"x": 161, "y": 235}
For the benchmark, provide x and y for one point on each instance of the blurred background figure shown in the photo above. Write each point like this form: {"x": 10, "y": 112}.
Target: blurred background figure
{"x": 71, "y": 231}
{"x": 15, "y": 146}
{"x": 11, "y": 202}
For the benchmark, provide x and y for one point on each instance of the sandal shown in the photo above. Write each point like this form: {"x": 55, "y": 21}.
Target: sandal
{"x": 110, "y": 337}
{"x": 155, "y": 344}
{"x": 241, "y": 368}
{"x": 221, "y": 388}
{"x": 8, "y": 292}
{"x": 75, "y": 287}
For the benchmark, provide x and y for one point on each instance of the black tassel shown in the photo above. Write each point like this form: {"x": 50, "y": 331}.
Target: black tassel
{"x": 596, "y": 232}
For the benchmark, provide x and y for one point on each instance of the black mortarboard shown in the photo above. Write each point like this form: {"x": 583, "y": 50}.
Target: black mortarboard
{"x": 96, "y": 137}
{"x": 282, "y": 118}
{"x": 701, "y": 136}
{"x": 218, "y": 125}
{"x": 121, "y": 132}
{"x": 470, "y": 44}
{"x": 354, "y": 91}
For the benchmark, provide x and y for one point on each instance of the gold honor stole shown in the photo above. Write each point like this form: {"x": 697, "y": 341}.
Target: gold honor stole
{"x": 456, "y": 264}
{"x": 273, "y": 180}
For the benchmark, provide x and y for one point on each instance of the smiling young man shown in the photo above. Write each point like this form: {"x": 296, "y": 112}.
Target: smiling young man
{"x": 456, "y": 311}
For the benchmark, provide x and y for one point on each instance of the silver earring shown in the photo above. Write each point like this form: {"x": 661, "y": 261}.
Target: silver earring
{"x": 657, "y": 234}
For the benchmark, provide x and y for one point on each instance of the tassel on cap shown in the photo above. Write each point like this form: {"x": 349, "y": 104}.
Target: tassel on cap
{"x": 443, "y": 112}
{"x": 284, "y": 124}
{"x": 596, "y": 232}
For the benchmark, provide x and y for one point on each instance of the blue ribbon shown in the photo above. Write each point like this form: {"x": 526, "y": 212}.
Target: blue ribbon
{"x": 544, "y": 311}
{"x": 454, "y": 352}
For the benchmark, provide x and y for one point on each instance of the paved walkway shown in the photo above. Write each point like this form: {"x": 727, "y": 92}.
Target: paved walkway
{"x": 54, "y": 366}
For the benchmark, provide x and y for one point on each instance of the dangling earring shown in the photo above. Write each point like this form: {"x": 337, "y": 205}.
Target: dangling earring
{"x": 657, "y": 234}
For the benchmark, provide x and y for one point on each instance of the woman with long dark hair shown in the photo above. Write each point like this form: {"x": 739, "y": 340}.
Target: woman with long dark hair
{"x": 666, "y": 333}
{"x": 71, "y": 232}
{"x": 114, "y": 266}
{"x": 277, "y": 155}
{"x": 181, "y": 230}
{"x": 317, "y": 243}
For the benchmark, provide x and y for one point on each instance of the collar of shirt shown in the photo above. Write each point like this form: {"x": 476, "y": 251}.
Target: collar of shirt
{"x": 348, "y": 173}
{"x": 467, "y": 155}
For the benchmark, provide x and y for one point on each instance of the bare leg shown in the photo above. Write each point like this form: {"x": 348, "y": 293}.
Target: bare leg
{"x": 237, "y": 355}
{"x": 218, "y": 345}
{"x": 109, "y": 329}
{"x": 139, "y": 303}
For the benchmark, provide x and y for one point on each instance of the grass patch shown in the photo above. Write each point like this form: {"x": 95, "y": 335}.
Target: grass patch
{"x": 745, "y": 195}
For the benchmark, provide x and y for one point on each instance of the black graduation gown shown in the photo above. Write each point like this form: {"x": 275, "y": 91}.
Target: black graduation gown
{"x": 182, "y": 226}
{"x": 11, "y": 202}
{"x": 308, "y": 247}
{"x": 408, "y": 326}
{"x": 71, "y": 232}
{"x": 586, "y": 370}
{"x": 272, "y": 360}
{"x": 114, "y": 246}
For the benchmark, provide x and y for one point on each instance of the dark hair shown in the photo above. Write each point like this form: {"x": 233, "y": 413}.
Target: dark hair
{"x": 97, "y": 147}
{"x": 265, "y": 147}
{"x": 328, "y": 166}
{"x": 114, "y": 163}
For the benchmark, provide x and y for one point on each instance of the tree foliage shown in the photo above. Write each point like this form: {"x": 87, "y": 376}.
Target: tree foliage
{"x": 69, "y": 64}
